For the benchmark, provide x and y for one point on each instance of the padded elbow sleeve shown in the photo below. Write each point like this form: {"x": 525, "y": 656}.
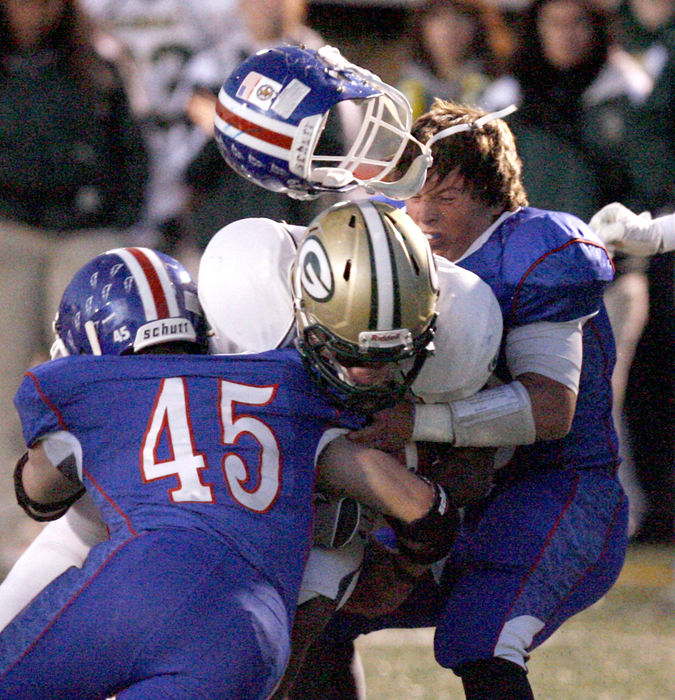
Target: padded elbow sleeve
{"x": 490, "y": 418}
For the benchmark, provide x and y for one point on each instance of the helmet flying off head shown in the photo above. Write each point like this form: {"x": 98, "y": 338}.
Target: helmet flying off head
{"x": 365, "y": 291}
{"x": 126, "y": 300}
{"x": 272, "y": 111}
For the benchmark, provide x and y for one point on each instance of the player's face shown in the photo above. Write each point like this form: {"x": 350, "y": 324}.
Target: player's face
{"x": 371, "y": 375}
{"x": 449, "y": 215}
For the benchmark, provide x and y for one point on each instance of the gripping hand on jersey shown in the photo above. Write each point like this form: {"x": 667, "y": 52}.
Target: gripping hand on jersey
{"x": 388, "y": 429}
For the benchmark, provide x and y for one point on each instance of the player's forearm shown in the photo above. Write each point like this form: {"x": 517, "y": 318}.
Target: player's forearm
{"x": 374, "y": 479}
{"x": 532, "y": 408}
{"x": 43, "y": 482}
{"x": 41, "y": 489}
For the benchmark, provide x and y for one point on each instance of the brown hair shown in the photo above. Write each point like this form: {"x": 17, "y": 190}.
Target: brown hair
{"x": 486, "y": 156}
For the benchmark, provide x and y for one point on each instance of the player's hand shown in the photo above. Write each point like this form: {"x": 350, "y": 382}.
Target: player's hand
{"x": 389, "y": 429}
{"x": 621, "y": 229}
{"x": 385, "y": 581}
{"x": 430, "y": 538}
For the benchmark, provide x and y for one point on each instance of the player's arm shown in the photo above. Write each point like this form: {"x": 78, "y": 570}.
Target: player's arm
{"x": 420, "y": 512}
{"x": 43, "y": 490}
{"x": 373, "y": 478}
{"x": 544, "y": 358}
{"x": 634, "y": 234}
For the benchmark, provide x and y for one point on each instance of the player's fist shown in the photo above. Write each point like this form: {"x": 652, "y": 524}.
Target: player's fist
{"x": 621, "y": 229}
{"x": 389, "y": 429}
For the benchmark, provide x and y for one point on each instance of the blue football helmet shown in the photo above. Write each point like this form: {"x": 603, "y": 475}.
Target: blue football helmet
{"x": 126, "y": 300}
{"x": 272, "y": 111}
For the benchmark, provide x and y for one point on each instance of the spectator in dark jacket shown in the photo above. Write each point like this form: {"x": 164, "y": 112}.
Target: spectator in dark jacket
{"x": 71, "y": 155}
{"x": 73, "y": 172}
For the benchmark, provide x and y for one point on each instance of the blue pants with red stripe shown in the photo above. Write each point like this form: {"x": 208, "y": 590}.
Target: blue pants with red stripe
{"x": 166, "y": 614}
{"x": 536, "y": 551}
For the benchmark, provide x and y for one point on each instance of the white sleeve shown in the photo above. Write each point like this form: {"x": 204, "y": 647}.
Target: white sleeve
{"x": 61, "y": 544}
{"x": 664, "y": 227}
{"x": 63, "y": 449}
{"x": 244, "y": 286}
{"x": 552, "y": 349}
{"x": 503, "y": 415}
{"x": 467, "y": 340}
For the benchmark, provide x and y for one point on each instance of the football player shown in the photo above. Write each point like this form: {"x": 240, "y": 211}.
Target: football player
{"x": 460, "y": 178}
{"x": 549, "y": 539}
{"x": 203, "y": 478}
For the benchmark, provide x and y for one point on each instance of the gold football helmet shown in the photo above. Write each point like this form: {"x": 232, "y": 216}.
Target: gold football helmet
{"x": 365, "y": 290}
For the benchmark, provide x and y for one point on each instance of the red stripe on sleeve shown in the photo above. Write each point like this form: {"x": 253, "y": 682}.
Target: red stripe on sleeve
{"x": 44, "y": 397}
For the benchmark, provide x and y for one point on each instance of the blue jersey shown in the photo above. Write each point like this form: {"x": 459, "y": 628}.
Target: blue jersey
{"x": 547, "y": 266}
{"x": 222, "y": 445}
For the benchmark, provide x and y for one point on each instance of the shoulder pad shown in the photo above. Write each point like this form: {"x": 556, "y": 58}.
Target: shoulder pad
{"x": 244, "y": 285}
{"x": 468, "y": 337}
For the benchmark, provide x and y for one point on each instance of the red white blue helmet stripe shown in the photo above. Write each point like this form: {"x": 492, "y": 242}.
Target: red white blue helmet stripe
{"x": 273, "y": 137}
{"x": 154, "y": 286}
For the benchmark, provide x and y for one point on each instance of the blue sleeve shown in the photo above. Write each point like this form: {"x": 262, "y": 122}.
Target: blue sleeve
{"x": 558, "y": 271}
{"x": 37, "y": 413}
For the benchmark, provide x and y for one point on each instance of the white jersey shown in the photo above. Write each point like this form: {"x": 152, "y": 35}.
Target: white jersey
{"x": 162, "y": 37}
{"x": 244, "y": 289}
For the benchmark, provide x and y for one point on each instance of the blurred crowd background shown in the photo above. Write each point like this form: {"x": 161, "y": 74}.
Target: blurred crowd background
{"x": 106, "y": 112}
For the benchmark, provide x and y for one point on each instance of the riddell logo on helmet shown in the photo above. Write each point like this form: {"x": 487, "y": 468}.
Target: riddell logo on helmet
{"x": 384, "y": 339}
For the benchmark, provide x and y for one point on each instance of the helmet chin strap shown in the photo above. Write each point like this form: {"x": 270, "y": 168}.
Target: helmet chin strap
{"x": 92, "y": 337}
{"x": 411, "y": 183}
{"x": 467, "y": 126}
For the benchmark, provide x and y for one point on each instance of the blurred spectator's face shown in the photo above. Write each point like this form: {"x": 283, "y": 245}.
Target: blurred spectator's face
{"x": 565, "y": 32}
{"x": 269, "y": 20}
{"x": 653, "y": 13}
{"x": 447, "y": 34}
{"x": 30, "y": 21}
